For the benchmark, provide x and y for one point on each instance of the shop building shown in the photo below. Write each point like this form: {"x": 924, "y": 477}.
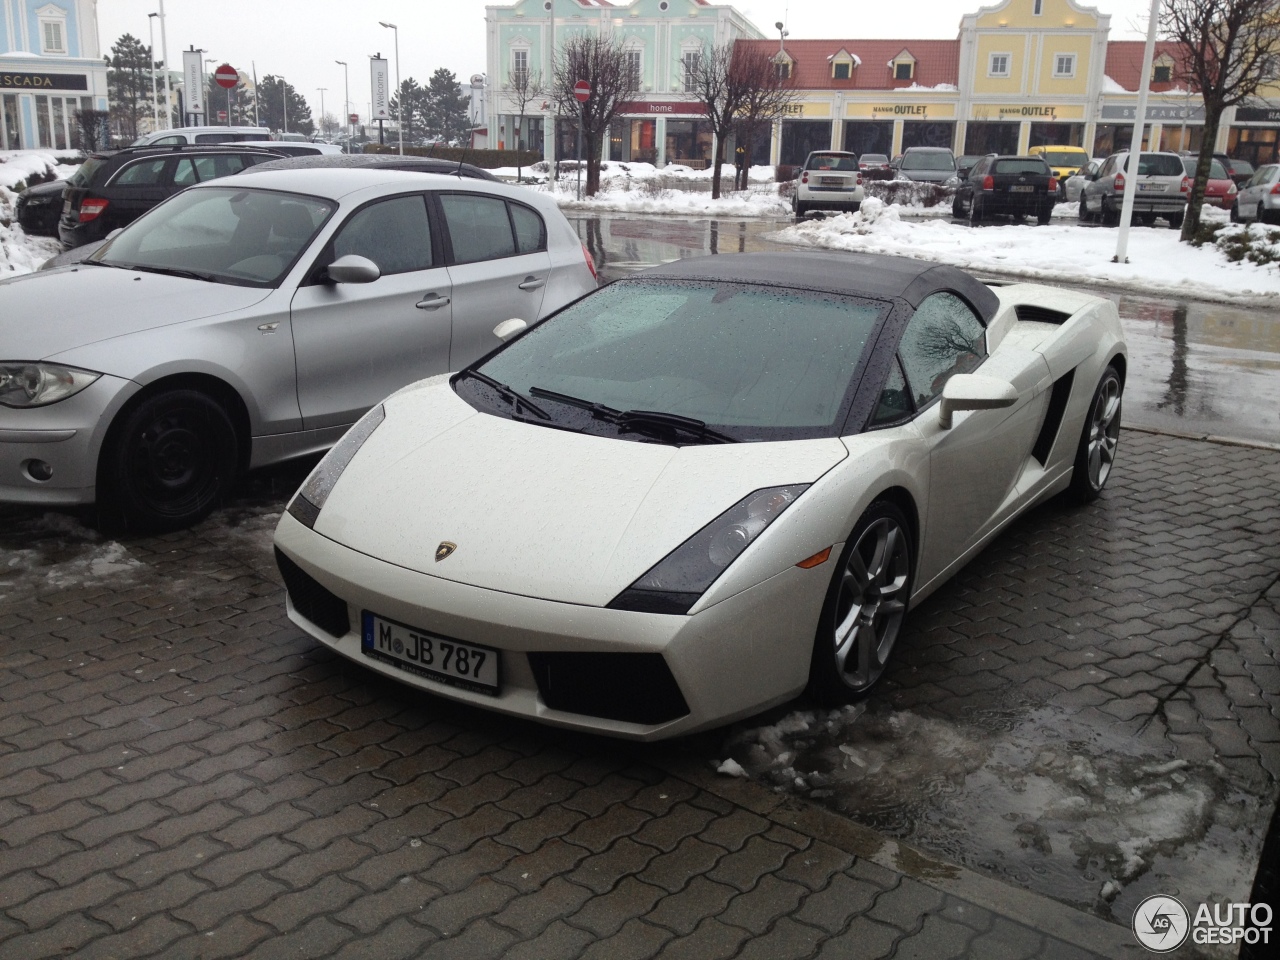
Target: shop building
{"x": 50, "y": 69}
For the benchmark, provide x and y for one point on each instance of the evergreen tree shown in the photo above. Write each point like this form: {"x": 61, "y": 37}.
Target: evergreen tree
{"x": 128, "y": 85}
{"x": 414, "y": 98}
{"x": 446, "y": 107}
{"x": 273, "y": 93}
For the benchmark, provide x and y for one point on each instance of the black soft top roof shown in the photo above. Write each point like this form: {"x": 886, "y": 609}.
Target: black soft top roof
{"x": 874, "y": 276}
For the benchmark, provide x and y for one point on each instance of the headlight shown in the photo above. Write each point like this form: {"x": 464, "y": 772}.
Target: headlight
{"x": 311, "y": 496}
{"x": 676, "y": 582}
{"x": 40, "y": 384}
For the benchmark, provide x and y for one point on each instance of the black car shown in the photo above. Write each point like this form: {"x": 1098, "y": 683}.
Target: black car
{"x": 1238, "y": 170}
{"x": 39, "y": 207}
{"x": 111, "y": 190}
{"x": 1015, "y": 186}
{"x": 382, "y": 161}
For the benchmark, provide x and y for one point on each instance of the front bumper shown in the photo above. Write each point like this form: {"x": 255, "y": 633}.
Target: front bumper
{"x": 731, "y": 660}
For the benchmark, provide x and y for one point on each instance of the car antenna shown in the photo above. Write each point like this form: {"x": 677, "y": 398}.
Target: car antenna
{"x": 458, "y": 172}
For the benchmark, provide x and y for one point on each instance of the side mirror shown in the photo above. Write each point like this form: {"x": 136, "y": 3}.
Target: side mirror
{"x": 509, "y": 328}
{"x": 353, "y": 269}
{"x": 971, "y": 391}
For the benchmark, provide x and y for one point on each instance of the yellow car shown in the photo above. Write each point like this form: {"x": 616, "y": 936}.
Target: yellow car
{"x": 1064, "y": 160}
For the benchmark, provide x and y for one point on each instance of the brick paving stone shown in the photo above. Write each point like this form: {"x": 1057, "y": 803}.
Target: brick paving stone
{"x": 559, "y": 941}
{"x": 533, "y": 912}
{"x": 712, "y": 940}
{"x": 406, "y": 897}
{"x": 288, "y": 911}
{"x": 757, "y": 909}
{"x": 604, "y": 915}
{"x": 124, "y": 911}
{"x": 787, "y": 940}
{"x": 671, "y": 871}
{"x": 481, "y": 939}
{"x": 601, "y": 872}
{"x": 682, "y": 912}
{"x": 863, "y": 939}
{"x": 831, "y": 908}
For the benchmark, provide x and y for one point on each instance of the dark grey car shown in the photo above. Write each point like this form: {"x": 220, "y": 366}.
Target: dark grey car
{"x": 928, "y": 164}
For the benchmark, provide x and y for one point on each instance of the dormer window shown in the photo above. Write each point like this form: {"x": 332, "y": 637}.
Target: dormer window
{"x": 782, "y": 65}
{"x": 903, "y": 66}
{"x": 843, "y": 64}
{"x": 1162, "y": 74}
{"x": 841, "y": 71}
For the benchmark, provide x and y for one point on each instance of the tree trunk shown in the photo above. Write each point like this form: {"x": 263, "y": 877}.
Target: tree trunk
{"x": 594, "y": 145}
{"x": 717, "y": 157}
{"x": 1191, "y": 224}
{"x": 519, "y": 134}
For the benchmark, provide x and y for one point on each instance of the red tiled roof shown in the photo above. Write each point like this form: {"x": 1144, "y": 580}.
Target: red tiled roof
{"x": 1124, "y": 63}
{"x": 937, "y": 61}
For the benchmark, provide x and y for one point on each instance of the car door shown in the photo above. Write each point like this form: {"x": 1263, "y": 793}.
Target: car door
{"x": 499, "y": 266}
{"x": 138, "y": 187}
{"x": 356, "y": 343}
{"x": 973, "y": 465}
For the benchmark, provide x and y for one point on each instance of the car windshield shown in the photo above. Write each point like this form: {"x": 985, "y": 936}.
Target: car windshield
{"x": 1021, "y": 165}
{"x": 831, "y": 161}
{"x": 84, "y": 174}
{"x": 928, "y": 161}
{"x": 1065, "y": 158}
{"x": 223, "y": 234}
{"x": 753, "y": 362}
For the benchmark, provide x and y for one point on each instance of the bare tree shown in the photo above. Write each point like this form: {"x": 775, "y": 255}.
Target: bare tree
{"x": 1230, "y": 48}
{"x": 522, "y": 88}
{"x": 771, "y": 94}
{"x": 600, "y": 60}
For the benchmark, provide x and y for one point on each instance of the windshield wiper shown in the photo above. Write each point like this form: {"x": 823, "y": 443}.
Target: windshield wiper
{"x": 172, "y": 272}
{"x": 517, "y": 400}
{"x": 640, "y": 421}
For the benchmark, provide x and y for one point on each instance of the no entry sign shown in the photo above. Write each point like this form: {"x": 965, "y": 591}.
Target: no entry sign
{"x": 226, "y": 76}
{"x": 582, "y": 91}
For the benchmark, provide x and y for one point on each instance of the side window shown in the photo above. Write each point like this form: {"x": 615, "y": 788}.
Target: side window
{"x": 210, "y": 168}
{"x": 942, "y": 339}
{"x": 141, "y": 174}
{"x": 215, "y": 137}
{"x": 167, "y": 141}
{"x": 478, "y": 226}
{"x": 895, "y": 401}
{"x": 981, "y": 169}
{"x": 531, "y": 232}
{"x": 392, "y": 233}
{"x": 184, "y": 174}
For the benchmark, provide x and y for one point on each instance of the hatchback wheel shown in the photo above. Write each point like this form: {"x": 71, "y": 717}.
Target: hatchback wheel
{"x": 1235, "y": 213}
{"x": 1099, "y": 440}
{"x": 865, "y": 607}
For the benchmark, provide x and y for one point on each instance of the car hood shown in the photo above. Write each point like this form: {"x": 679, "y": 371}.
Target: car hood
{"x": 537, "y": 511}
{"x": 50, "y": 312}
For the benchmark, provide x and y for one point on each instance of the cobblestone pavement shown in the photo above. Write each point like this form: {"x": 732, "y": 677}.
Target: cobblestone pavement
{"x": 183, "y": 774}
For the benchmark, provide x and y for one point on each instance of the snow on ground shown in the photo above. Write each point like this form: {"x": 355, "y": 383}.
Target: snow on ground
{"x": 649, "y": 196}
{"x": 20, "y": 252}
{"x": 634, "y": 170}
{"x": 1159, "y": 263}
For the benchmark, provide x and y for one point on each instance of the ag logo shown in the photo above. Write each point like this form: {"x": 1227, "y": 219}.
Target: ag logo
{"x": 445, "y": 550}
{"x": 1161, "y": 923}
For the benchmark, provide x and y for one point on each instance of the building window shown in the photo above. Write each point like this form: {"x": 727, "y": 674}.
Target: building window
{"x": 634, "y": 67}
{"x": 1038, "y": 8}
{"x": 1064, "y": 65}
{"x": 519, "y": 68}
{"x": 783, "y": 69}
{"x": 51, "y": 34}
{"x": 1162, "y": 74}
{"x": 841, "y": 71}
{"x": 690, "y": 63}
{"x": 904, "y": 70}
{"x": 999, "y": 65}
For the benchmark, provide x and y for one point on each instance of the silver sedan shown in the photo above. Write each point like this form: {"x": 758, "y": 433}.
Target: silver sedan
{"x": 244, "y": 323}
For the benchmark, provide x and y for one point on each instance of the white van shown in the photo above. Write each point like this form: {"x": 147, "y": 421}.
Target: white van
{"x": 165, "y": 138}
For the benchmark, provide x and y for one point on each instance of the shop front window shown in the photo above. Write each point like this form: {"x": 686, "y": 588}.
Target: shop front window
{"x": 869, "y": 136}
{"x": 10, "y": 136}
{"x": 44, "y": 132}
{"x": 981, "y": 138}
{"x": 689, "y": 143}
{"x": 1175, "y": 139}
{"x": 1258, "y": 145}
{"x": 1057, "y": 135}
{"x": 802, "y": 137}
{"x": 1110, "y": 137}
{"x": 925, "y": 133}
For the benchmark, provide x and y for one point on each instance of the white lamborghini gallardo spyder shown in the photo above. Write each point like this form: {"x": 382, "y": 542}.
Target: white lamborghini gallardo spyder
{"x": 695, "y": 492}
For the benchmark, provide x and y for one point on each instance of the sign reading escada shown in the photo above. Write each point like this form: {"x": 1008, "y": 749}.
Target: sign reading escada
{"x": 43, "y": 81}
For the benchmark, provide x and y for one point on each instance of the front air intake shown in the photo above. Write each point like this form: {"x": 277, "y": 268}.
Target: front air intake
{"x": 631, "y": 687}
{"x": 310, "y": 598}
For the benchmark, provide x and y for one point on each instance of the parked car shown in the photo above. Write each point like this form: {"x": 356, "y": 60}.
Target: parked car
{"x": 714, "y": 529}
{"x": 382, "y": 161}
{"x": 875, "y": 166}
{"x": 191, "y": 135}
{"x": 289, "y": 149}
{"x": 928, "y": 164}
{"x": 253, "y": 319}
{"x": 1013, "y": 186}
{"x": 117, "y": 188}
{"x": 39, "y": 207}
{"x": 1063, "y": 160}
{"x": 1259, "y": 199}
{"x": 1163, "y": 189}
{"x": 966, "y": 163}
{"x": 829, "y": 180}
{"x": 1075, "y": 183}
{"x": 1239, "y": 170}
{"x": 1219, "y": 190}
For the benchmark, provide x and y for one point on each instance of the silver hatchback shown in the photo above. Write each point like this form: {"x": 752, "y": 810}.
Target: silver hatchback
{"x": 1163, "y": 190}
{"x": 1259, "y": 198}
{"x": 254, "y": 319}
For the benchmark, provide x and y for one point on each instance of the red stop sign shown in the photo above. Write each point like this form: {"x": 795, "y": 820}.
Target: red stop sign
{"x": 227, "y": 76}
{"x": 582, "y": 91}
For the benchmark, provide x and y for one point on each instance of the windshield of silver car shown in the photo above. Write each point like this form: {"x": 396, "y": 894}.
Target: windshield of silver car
{"x": 754, "y": 362}
{"x": 220, "y": 234}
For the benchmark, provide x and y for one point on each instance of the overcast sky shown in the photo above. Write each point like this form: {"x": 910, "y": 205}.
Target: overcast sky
{"x": 301, "y": 39}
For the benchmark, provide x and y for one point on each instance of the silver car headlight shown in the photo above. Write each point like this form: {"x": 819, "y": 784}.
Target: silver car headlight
{"x": 675, "y": 583}
{"x": 311, "y": 496}
{"x": 40, "y": 384}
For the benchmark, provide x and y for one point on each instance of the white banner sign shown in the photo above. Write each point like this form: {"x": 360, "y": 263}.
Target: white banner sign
{"x": 381, "y": 78}
{"x": 193, "y": 80}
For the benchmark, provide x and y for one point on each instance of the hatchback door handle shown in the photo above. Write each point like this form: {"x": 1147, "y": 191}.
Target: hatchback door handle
{"x": 532, "y": 283}
{"x": 432, "y": 301}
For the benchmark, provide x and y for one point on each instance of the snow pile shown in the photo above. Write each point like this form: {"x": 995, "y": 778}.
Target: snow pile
{"x": 1159, "y": 263}
{"x": 19, "y": 251}
{"x": 19, "y": 166}
{"x": 650, "y": 196}
{"x": 53, "y": 551}
{"x": 635, "y": 170}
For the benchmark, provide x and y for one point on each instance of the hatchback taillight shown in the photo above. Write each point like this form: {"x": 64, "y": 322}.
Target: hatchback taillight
{"x": 859, "y": 178}
{"x": 988, "y": 182}
{"x": 91, "y": 209}
{"x": 804, "y": 177}
{"x": 1053, "y": 184}
{"x": 1119, "y": 181}
{"x": 1186, "y": 185}
{"x": 591, "y": 262}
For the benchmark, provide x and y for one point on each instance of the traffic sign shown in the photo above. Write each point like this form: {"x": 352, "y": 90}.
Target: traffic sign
{"x": 226, "y": 76}
{"x": 353, "y": 117}
{"x": 222, "y": 115}
{"x": 582, "y": 91}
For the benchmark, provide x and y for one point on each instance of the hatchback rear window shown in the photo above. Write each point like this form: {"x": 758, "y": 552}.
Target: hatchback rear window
{"x": 84, "y": 176}
{"x": 1018, "y": 165}
{"x": 1159, "y": 165}
{"x": 1242, "y": 167}
{"x": 1066, "y": 158}
{"x": 831, "y": 161}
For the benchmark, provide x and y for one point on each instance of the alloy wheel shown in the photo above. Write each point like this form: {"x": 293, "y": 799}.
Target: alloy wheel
{"x": 1104, "y": 432}
{"x": 871, "y": 603}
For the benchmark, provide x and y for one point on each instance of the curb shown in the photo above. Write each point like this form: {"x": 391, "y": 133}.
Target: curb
{"x": 1204, "y": 437}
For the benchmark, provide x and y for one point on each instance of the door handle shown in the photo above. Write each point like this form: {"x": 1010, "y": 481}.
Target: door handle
{"x": 532, "y": 283}
{"x": 432, "y": 301}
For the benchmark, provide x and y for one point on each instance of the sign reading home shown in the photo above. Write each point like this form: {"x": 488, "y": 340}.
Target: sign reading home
{"x": 43, "y": 81}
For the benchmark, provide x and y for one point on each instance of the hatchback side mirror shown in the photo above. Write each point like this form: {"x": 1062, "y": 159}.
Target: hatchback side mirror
{"x": 971, "y": 391}
{"x": 509, "y": 328}
{"x": 353, "y": 269}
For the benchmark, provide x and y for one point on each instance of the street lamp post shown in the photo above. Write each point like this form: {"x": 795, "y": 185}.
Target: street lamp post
{"x": 284, "y": 102}
{"x": 346, "y": 96}
{"x": 399, "y": 93}
{"x": 151, "y": 55}
{"x": 168, "y": 90}
{"x": 322, "y": 90}
{"x": 208, "y": 93}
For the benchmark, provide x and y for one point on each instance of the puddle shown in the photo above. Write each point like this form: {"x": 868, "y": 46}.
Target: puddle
{"x": 53, "y": 551}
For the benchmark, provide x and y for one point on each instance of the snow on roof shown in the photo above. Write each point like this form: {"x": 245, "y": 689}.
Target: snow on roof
{"x": 937, "y": 62}
{"x": 1124, "y": 64}
{"x": 1110, "y": 86}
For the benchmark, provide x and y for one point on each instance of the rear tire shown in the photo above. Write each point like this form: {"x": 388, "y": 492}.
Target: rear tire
{"x": 1109, "y": 217}
{"x": 1235, "y": 212}
{"x": 865, "y": 607}
{"x": 801, "y": 209}
{"x": 1096, "y": 452}
{"x": 168, "y": 462}
{"x": 1175, "y": 220}
{"x": 976, "y": 213}
{"x": 957, "y": 209}
{"x": 1083, "y": 214}
{"x": 1044, "y": 216}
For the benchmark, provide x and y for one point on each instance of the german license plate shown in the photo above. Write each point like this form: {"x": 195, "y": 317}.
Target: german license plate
{"x": 1022, "y": 188}
{"x": 1151, "y": 187}
{"x": 452, "y": 662}
{"x": 831, "y": 181}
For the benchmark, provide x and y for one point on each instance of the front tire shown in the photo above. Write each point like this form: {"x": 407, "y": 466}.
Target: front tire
{"x": 1096, "y": 452}
{"x": 1235, "y": 213}
{"x": 865, "y": 607}
{"x": 976, "y": 213}
{"x": 957, "y": 209}
{"x": 169, "y": 462}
